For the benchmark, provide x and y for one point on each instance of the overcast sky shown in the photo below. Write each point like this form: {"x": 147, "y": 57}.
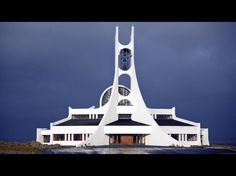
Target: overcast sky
{"x": 47, "y": 66}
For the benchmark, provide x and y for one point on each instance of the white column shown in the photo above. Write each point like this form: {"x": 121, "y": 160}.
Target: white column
{"x": 51, "y": 135}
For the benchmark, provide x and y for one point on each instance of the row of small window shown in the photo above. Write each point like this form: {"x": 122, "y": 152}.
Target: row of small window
{"x": 161, "y": 116}
{"x": 87, "y": 116}
{"x": 124, "y": 116}
{"x": 184, "y": 137}
{"x": 66, "y": 137}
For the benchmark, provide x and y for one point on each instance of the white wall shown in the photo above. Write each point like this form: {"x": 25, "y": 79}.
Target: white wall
{"x": 184, "y": 130}
{"x": 205, "y": 138}
{"x": 73, "y": 129}
{"x": 39, "y": 137}
{"x": 127, "y": 129}
{"x": 162, "y": 111}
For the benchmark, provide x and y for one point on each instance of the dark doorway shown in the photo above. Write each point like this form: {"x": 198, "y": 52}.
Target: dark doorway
{"x": 127, "y": 139}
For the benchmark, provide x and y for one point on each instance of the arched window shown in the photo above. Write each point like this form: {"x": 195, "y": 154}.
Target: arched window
{"x": 124, "y": 102}
{"x": 106, "y": 96}
{"x": 123, "y": 91}
{"x": 124, "y": 59}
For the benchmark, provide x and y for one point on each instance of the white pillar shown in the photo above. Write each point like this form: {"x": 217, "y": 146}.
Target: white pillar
{"x": 51, "y": 135}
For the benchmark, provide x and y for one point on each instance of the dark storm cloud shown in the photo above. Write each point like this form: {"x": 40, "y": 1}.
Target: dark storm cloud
{"x": 46, "y": 67}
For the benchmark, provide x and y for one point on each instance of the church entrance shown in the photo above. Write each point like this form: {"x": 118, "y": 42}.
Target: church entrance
{"x": 127, "y": 139}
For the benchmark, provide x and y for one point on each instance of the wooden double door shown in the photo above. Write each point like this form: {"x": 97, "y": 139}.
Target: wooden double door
{"x": 127, "y": 139}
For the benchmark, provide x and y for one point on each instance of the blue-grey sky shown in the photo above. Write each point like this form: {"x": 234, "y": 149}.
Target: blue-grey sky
{"x": 47, "y": 66}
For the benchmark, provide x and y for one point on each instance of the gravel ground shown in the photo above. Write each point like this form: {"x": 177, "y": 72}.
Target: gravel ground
{"x": 142, "y": 150}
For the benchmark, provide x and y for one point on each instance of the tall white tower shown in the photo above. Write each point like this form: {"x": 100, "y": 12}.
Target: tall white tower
{"x": 124, "y": 65}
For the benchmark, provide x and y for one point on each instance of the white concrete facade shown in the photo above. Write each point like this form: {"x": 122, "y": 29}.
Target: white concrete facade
{"x": 122, "y": 114}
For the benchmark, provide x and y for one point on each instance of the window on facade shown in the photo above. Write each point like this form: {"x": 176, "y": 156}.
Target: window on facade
{"x": 106, "y": 96}
{"x": 77, "y": 137}
{"x": 124, "y": 102}
{"x": 84, "y": 137}
{"x": 175, "y": 136}
{"x": 124, "y": 116}
{"x": 80, "y": 116}
{"x": 163, "y": 116}
{"x": 59, "y": 137}
{"x": 123, "y": 91}
{"x": 100, "y": 116}
{"x": 191, "y": 137}
{"x": 124, "y": 59}
{"x": 46, "y": 138}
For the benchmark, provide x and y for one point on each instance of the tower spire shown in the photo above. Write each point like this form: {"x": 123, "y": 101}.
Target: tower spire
{"x": 124, "y": 66}
{"x": 132, "y": 34}
{"x": 117, "y": 34}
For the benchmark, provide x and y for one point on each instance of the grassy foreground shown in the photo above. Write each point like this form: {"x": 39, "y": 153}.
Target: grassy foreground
{"x": 224, "y": 146}
{"x": 30, "y": 147}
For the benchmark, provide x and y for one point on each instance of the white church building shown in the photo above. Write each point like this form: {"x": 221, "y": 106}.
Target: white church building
{"x": 123, "y": 117}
